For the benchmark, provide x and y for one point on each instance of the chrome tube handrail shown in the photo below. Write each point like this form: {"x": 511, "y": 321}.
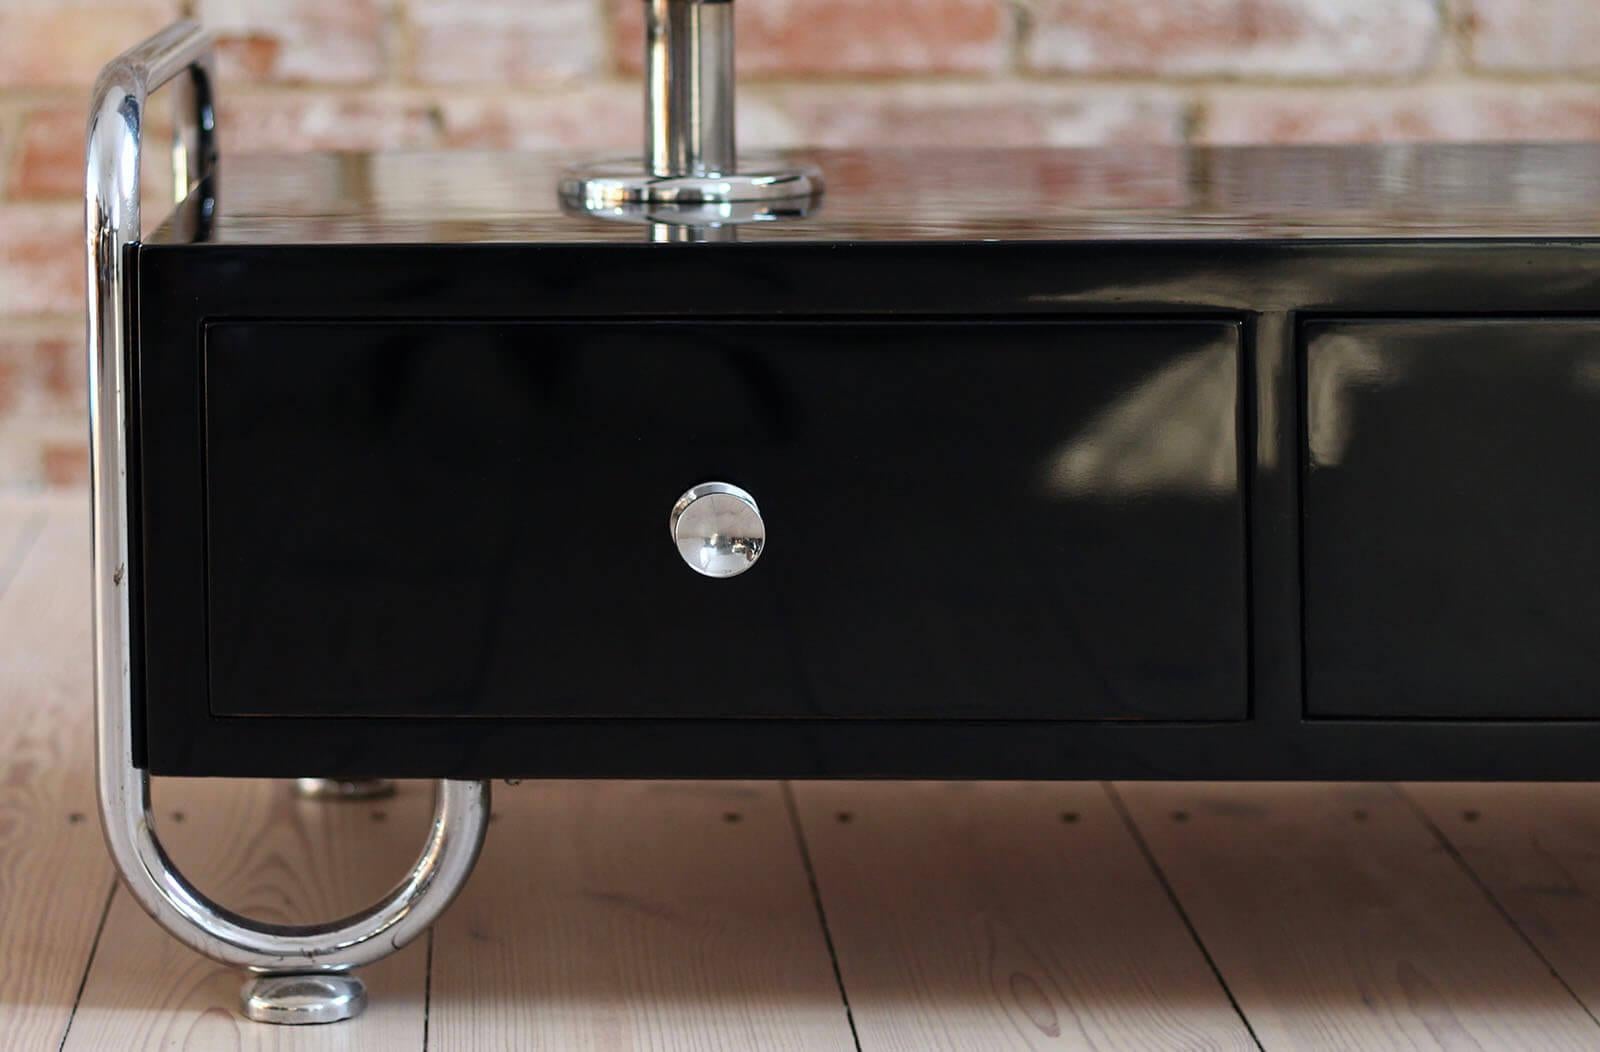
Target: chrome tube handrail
{"x": 112, "y": 221}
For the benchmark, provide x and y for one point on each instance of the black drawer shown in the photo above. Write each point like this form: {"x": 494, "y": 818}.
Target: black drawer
{"x": 971, "y": 520}
{"x": 1452, "y": 506}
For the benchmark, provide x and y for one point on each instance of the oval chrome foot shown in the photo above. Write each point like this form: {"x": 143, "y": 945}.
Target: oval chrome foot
{"x": 302, "y": 1000}
{"x": 343, "y": 788}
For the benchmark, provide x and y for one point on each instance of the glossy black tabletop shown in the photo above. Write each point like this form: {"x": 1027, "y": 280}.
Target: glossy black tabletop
{"x": 1114, "y": 193}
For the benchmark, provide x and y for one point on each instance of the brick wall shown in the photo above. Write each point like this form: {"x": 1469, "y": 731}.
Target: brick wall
{"x": 303, "y": 74}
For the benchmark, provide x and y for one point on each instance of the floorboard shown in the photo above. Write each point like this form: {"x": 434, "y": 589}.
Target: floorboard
{"x": 54, "y": 876}
{"x": 995, "y": 916}
{"x": 1536, "y": 850}
{"x": 1339, "y": 922}
{"x": 636, "y": 915}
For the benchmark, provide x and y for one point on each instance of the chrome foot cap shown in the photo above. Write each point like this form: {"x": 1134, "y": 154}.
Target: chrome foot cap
{"x": 300, "y": 1000}
{"x": 343, "y": 789}
{"x": 619, "y": 190}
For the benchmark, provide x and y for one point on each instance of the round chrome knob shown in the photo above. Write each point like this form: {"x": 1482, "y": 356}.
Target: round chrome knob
{"x": 718, "y": 529}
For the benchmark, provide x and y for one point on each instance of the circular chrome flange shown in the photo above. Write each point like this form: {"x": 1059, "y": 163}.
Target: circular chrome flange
{"x": 343, "y": 788}
{"x": 718, "y": 530}
{"x": 302, "y": 1000}
{"x": 610, "y": 183}
{"x": 761, "y": 192}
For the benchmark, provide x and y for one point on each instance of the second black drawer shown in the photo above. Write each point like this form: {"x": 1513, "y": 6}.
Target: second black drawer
{"x": 1451, "y": 512}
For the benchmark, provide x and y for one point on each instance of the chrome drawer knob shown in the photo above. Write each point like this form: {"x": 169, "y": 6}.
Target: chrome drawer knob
{"x": 718, "y": 529}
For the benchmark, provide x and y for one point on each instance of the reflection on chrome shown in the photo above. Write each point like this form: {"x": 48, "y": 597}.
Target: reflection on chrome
{"x": 1173, "y": 434}
{"x": 1344, "y": 364}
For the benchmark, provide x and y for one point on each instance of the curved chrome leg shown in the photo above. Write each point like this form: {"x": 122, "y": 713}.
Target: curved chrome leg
{"x": 319, "y": 954}
{"x": 343, "y": 788}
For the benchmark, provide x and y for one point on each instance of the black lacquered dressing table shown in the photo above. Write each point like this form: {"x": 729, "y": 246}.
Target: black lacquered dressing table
{"x": 1123, "y": 463}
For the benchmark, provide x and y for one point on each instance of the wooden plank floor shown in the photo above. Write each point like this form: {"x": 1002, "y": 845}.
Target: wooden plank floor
{"x": 55, "y": 878}
{"x": 1339, "y": 921}
{"x": 1004, "y": 916}
{"x": 820, "y": 916}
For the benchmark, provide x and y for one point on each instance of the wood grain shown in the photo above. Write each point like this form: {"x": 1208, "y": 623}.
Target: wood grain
{"x": 1338, "y": 922}
{"x": 54, "y": 875}
{"x": 1536, "y": 848}
{"x": 622, "y": 915}
{"x": 260, "y": 850}
{"x": 1005, "y": 915}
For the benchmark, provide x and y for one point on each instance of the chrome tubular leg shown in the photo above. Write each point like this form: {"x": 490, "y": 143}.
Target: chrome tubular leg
{"x": 343, "y": 788}
{"x": 302, "y": 970}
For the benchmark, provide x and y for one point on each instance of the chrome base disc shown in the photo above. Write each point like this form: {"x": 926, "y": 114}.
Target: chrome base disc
{"x": 302, "y": 1000}
{"x": 343, "y": 789}
{"x": 620, "y": 189}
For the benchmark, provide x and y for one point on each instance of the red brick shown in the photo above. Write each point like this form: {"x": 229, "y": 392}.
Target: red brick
{"x": 45, "y": 44}
{"x": 65, "y": 462}
{"x": 41, "y": 259}
{"x": 790, "y": 37}
{"x": 35, "y": 449}
{"x": 606, "y": 118}
{"x": 603, "y": 117}
{"x": 42, "y": 373}
{"x": 1541, "y": 37}
{"x": 504, "y": 41}
{"x": 253, "y": 123}
{"x": 1279, "y": 38}
{"x": 49, "y": 153}
{"x": 325, "y": 41}
{"x": 12, "y": 380}
{"x": 973, "y": 115}
{"x": 1498, "y": 112}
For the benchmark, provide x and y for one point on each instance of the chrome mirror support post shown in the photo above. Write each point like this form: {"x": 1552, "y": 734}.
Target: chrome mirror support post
{"x": 302, "y": 973}
{"x": 691, "y": 173}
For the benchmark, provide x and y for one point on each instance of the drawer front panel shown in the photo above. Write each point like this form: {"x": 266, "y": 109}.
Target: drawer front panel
{"x": 1452, "y": 505}
{"x": 988, "y": 520}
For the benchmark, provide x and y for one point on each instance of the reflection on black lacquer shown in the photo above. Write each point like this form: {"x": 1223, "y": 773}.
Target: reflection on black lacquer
{"x": 1001, "y": 521}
